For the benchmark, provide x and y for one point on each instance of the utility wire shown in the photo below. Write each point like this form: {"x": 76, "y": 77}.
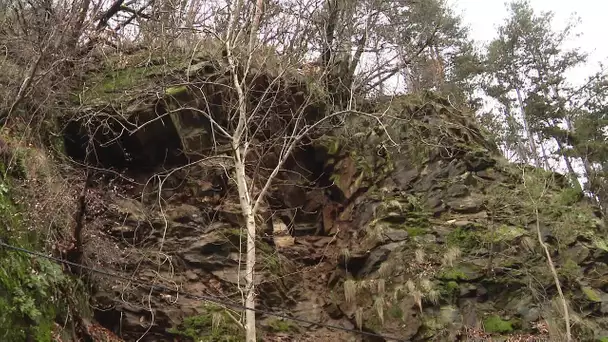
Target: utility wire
{"x": 211, "y": 299}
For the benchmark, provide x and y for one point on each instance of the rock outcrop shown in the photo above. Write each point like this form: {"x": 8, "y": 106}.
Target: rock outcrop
{"x": 417, "y": 229}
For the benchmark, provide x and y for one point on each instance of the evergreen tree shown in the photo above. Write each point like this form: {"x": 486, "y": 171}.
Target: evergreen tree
{"x": 527, "y": 65}
{"x": 436, "y": 49}
{"x": 588, "y": 135}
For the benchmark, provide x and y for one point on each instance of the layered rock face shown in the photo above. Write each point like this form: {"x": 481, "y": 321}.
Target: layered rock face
{"x": 417, "y": 229}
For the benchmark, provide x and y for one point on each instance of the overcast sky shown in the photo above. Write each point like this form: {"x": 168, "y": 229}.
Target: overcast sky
{"x": 482, "y": 16}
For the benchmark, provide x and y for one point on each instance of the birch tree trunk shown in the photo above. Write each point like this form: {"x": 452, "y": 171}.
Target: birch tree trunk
{"x": 533, "y": 148}
{"x": 239, "y": 147}
{"x": 248, "y": 215}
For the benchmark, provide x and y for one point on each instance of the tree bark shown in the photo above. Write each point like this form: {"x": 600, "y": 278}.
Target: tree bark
{"x": 239, "y": 146}
{"x": 330, "y": 27}
{"x": 545, "y": 157}
{"x": 248, "y": 215}
{"x": 533, "y": 149}
{"x": 569, "y": 166}
{"x": 79, "y": 25}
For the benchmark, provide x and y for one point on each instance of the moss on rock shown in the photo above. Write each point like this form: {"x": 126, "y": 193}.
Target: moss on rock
{"x": 449, "y": 290}
{"x": 464, "y": 238}
{"x": 415, "y": 231}
{"x": 495, "y": 324}
{"x": 176, "y": 90}
{"x": 281, "y": 326}
{"x": 454, "y": 274}
{"x": 591, "y": 294}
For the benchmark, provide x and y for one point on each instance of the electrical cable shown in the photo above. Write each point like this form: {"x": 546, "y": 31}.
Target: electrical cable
{"x": 211, "y": 299}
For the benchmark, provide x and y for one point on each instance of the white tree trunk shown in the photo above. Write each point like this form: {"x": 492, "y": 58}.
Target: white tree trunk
{"x": 247, "y": 210}
{"x": 533, "y": 149}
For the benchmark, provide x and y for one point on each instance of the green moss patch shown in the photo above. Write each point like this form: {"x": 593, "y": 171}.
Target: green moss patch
{"x": 281, "y": 326}
{"x": 415, "y": 231}
{"x": 464, "y": 238}
{"x": 495, "y": 324}
{"x": 395, "y": 311}
{"x": 173, "y": 91}
{"x": 453, "y": 274}
{"x": 591, "y": 294}
{"x": 449, "y": 290}
{"x": 111, "y": 85}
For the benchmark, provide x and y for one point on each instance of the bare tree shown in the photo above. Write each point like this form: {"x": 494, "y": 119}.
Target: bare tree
{"x": 285, "y": 131}
{"x": 240, "y": 147}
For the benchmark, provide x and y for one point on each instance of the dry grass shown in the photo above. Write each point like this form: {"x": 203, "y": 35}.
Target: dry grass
{"x": 350, "y": 290}
{"x": 451, "y": 255}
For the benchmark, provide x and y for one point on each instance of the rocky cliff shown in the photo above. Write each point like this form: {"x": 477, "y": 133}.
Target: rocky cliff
{"x": 416, "y": 228}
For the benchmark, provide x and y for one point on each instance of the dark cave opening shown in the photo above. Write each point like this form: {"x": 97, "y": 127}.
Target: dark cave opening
{"x": 305, "y": 190}
{"x": 313, "y": 158}
{"x": 110, "y": 146}
{"x": 109, "y": 318}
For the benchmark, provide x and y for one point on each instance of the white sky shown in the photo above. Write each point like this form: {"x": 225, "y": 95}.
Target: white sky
{"x": 482, "y": 17}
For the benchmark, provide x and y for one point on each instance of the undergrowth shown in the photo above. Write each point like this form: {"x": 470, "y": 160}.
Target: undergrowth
{"x": 34, "y": 292}
{"x": 30, "y": 299}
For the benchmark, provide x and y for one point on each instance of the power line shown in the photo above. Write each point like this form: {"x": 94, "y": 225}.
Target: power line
{"x": 211, "y": 299}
